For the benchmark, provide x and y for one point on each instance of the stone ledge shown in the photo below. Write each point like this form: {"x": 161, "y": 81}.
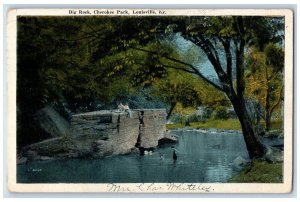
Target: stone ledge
{"x": 115, "y": 133}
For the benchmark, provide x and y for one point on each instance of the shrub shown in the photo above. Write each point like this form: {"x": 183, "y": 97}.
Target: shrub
{"x": 201, "y": 115}
{"x": 175, "y": 118}
{"x": 221, "y": 113}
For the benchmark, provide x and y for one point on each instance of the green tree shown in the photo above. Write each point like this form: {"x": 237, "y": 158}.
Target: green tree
{"x": 176, "y": 89}
{"x": 265, "y": 78}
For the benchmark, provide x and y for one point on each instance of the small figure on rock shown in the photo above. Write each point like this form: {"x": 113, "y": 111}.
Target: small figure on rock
{"x": 125, "y": 108}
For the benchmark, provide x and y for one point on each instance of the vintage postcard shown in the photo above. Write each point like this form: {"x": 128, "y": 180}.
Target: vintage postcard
{"x": 150, "y": 100}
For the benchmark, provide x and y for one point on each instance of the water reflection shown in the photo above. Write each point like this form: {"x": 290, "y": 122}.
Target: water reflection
{"x": 201, "y": 157}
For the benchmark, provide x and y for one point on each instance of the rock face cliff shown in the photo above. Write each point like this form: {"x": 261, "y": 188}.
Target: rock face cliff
{"x": 51, "y": 122}
{"x": 104, "y": 133}
{"x": 152, "y": 127}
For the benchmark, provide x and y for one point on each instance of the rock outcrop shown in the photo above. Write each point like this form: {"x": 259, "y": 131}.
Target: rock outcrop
{"x": 107, "y": 132}
{"x": 52, "y": 122}
{"x": 152, "y": 127}
{"x": 103, "y": 133}
{"x": 168, "y": 138}
{"x": 240, "y": 162}
{"x": 273, "y": 155}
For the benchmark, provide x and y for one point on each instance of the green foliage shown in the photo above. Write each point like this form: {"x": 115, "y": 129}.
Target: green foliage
{"x": 94, "y": 48}
{"x": 178, "y": 88}
{"x": 277, "y": 124}
{"x": 60, "y": 64}
{"x": 260, "y": 172}
{"x": 166, "y": 81}
{"x": 274, "y": 57}
{"x": 175, "y": 118}
{"x": 229, "y": 124}
{"x": 265, "y": 78}
{"x": 200, "y": 118}
{"x": 221, "y": 113}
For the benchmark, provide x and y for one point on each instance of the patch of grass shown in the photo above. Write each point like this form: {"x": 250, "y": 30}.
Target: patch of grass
{"x": 260, "y": 171}
{"x": 174, "y": 126}
{"x": 229, "y": 124}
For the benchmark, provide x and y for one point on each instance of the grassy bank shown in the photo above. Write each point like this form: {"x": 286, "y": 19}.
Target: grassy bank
{"x": 260, "y": 171}
{"x": 229, "y": 124}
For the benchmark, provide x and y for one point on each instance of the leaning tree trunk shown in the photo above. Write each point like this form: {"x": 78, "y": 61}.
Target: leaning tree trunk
{"x": 255, "y": 148}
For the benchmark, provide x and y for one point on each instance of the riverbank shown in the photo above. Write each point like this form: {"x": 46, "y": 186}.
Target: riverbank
{"x": 229, "y": 124}
{"x": 260, "y": 172}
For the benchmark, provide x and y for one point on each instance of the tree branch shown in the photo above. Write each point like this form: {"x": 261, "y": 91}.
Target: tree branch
{"x": 198, "y": 74}
{"x": 159, "y": 54}
{"x": 226, "y": 45}
{"x": 239, "y": 51}
{"x": 179, "y": 68}
{"x": 208, "y": 49}
{"x": 239, "y": 25}
{"x": 86, "y": 36}
{"x": 193, "y": 70}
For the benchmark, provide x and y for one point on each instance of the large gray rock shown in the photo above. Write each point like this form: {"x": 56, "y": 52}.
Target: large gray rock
{"x": 152, "y": 127}
{"x": 273, "y": 155}
{"x": 103, "y": 133}
{"x": 108, "y": 132}
{"x": 52, "y": 122}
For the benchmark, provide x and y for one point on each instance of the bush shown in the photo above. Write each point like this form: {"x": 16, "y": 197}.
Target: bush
{"x": 196, "y": 118}
{"x": 207, "y": 113}
{"x": 201, "y": 115}
{"x": 221, "y": 113}
{"x": 175, "y": 118}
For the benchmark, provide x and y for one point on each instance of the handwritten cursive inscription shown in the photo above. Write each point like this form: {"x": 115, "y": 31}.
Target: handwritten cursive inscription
{"x": 188, "y": 187}
{"x": 153, "y": 187}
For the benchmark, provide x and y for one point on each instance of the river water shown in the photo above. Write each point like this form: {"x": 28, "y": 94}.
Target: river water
{"x": 202, "y": 157}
